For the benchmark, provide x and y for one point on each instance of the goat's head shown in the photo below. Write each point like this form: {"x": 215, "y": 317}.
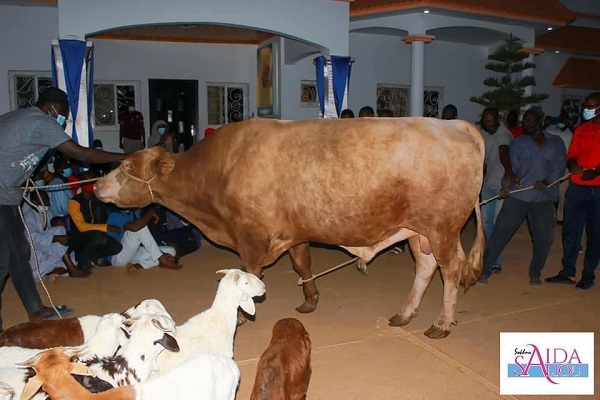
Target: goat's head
{"x": 148, "y": 335}
{"x": 149, "y": 306}
{"x": 245, "y": 286}
{"x": 50, "y": 365}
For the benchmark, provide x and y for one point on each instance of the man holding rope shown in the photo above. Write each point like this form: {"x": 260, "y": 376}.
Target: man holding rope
{"x": 27, "y": 134}
{"x": 537, "y": 159}
{"x": 582, "y": 200}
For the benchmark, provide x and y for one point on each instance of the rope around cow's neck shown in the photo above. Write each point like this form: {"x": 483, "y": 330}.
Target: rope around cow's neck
{"x": 137, "y": 179}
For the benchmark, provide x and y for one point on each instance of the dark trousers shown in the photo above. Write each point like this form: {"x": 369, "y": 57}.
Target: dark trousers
{"x": 582, "y": 211}
{"x": 541, "y": 220}
{"x": 14, "y": 260}
{"x": 91, "y": 245}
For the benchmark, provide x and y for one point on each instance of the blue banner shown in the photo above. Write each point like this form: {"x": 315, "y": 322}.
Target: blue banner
{"x": 340, "y": 69}
{"x": 320, "y": 69}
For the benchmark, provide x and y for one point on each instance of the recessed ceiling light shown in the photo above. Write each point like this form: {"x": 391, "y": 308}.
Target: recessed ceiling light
{"x": 426, "y": 12}
{"x": 549, "y": 28}
{"x": 557, "y": 52}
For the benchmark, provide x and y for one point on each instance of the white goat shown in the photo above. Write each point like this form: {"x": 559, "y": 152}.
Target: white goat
{"x": 207, "y": 377}
{"x": 143, "y": 339}
{"x": 212, "y": 330}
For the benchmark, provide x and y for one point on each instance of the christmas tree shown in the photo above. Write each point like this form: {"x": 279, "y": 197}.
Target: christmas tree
{"x": 508, "y": 93}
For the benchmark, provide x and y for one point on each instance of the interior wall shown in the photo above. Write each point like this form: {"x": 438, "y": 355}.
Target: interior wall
{"x": 26, "y": 34}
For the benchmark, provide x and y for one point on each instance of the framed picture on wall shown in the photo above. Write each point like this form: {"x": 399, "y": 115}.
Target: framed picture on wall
{"x": 308, "y": 94}
{"x": 267, "y": 79}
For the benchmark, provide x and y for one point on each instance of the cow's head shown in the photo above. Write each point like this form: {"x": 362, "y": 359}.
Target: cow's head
{"x": 134, "y": 182}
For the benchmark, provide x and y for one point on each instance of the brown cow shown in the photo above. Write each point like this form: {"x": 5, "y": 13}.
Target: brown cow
{"x": 283, "y": 371}
{"x": 262, "y": 187}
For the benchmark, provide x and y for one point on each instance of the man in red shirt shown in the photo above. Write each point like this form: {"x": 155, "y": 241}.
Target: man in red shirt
{"x": 132, "y": 134}
{"x": 582, "y": 200}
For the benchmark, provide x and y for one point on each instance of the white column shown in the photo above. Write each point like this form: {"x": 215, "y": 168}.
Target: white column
{"x": 532, "y": 51}
{"x": 417, "y": 72}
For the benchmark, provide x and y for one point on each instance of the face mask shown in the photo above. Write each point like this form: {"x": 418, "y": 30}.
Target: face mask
{"x": 560, "y": 125}
{"x": 131, "y": 108}
{"x": 61, "y": 119}
{"x": 589, "y": 113}
{"x": 162, "y": 131}
{"x": 67, "y": 172}
{"x": 88, "y": 188}
{"x": 40, "y": 183}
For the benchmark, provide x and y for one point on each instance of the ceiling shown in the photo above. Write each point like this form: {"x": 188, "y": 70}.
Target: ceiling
{"x": 586, "y": 11}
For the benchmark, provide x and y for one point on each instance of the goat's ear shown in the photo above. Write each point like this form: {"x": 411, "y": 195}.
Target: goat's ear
{"x": 164, "y": 324}
{"x": 169, "y": 343}
{"x": 31, "y": 387}
{"x": 222, "y": 271}
{"x": 78, "y": 368}
{"x": 247, "y": 304}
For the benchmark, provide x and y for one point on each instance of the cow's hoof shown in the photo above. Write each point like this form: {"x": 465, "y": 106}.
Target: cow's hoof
{"x": 436, "y": 333}
{"x": 309, "y": 305}
{"x": 399, "y": 320}
{"x": 362, "y": 267}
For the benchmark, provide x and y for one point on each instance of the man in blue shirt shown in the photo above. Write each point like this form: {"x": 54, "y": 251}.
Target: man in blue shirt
{"x": 537, "y": 159}
{"x": 140, "y": 249}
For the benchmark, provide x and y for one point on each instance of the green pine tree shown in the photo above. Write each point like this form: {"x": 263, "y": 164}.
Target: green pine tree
{"x": 508, "y": 93}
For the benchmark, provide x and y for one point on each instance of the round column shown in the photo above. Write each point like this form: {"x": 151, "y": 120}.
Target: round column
{"x": 417, "y": 71}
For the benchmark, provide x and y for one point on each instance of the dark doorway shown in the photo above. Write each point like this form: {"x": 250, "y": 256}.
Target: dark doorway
{"x": 176, "y": 102}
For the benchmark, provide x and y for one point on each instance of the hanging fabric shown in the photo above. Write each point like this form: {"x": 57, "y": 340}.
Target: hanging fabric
{"x": 340, "y": 69}
{"x": 320, "y": 70}
{"x": 72, "y": 71}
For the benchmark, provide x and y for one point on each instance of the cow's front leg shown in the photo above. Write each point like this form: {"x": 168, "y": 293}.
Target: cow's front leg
{"x": 451, "y": 275}
{"x": 425, "y": 266}
{"x": 300, "y": 256}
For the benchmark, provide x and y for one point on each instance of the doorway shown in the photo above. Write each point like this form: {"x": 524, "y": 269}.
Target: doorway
{"x": 176, "y": 102}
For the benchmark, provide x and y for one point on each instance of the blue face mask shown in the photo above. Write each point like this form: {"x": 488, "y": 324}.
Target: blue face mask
{"x": 61, "y": 119}
{"x": 589, "y": 113}
{"x": 162, "y": 131}
{"x": 560, "y": 125}
{"x": 67, "y": 172}
{"x": 40, "y": 183}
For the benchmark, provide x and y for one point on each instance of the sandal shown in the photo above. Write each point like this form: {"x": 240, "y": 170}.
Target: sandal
{"x": 48, "y": 313}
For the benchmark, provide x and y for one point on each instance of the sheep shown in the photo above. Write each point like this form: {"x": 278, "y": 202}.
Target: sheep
{"x": 68, "y": 331}
{"x": 206, "y": 376}
{"x": 283, "y": 371}
{"x": 142, "y": 340}
{"x": 212, "y": 330}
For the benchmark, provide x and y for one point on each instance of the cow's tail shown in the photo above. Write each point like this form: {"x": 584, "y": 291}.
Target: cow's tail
{"x": 472, "y": 268}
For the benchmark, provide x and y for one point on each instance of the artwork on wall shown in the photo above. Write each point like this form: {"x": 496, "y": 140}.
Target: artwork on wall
{"x": 571, "y": 105}
{"x": 308, "y": 94}
{"x": 267, "y": 90}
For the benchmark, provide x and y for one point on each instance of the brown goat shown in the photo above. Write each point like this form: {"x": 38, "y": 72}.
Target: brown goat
{"x": 44, "y": 334}
{"x": 283, "y": 371}
{"x": 53, "y": 373}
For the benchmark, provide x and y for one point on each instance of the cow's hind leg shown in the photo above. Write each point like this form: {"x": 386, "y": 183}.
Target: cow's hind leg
{"x": 425, "y": 266}
{"x": 300, "y": 257}
{"x": 451, "y": 271}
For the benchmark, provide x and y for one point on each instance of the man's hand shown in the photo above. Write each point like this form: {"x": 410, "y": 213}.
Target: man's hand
{"x": 62, "y": 239}
{"x": 153, "y": 214}
{"x": 504, "y": 192}
{"x": 113, "y": 228}
{"x": 590, "y": 174}
{"x": 540, "y": 185}
{"x": 513, "y": 179}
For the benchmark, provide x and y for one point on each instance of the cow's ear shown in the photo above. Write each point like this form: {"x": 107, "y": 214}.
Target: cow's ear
{"x": 128, "y": 165}
{"x": 166, "y": 165}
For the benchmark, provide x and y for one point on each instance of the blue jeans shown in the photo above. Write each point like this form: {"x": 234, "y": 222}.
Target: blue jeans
{"x": 489, "y": 215}
{"x": 582, "y": 211}
{"x": 542, "y": 221}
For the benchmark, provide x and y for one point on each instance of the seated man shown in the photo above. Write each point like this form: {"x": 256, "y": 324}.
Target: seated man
{"x": 88, "y": 215}
{"x": 169, "y": 230}
{"x": 140, "y": 250}
{"x": 50, "y": 242}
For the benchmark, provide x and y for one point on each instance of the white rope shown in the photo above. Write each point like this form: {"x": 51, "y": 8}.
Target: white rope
{"x": 559, "y": 180}
{"x": 345, "y": 263}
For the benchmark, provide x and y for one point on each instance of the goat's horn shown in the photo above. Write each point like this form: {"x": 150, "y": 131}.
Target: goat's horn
{"x": 222, "y": 271}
